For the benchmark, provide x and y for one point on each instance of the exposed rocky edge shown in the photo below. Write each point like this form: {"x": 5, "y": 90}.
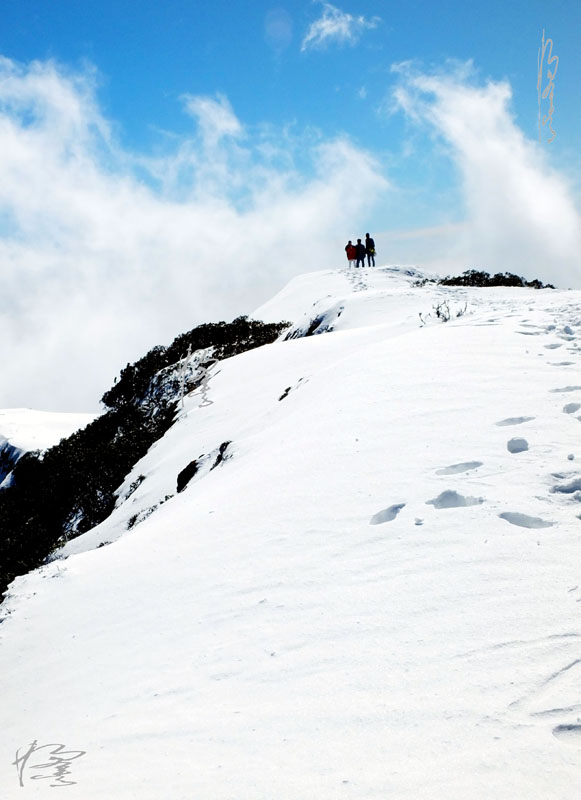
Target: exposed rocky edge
{"x": 202, "y": 465}
{"x": 9, "y": 455}
{"x": 64, "y": 492}
{"x": 324, "y": 322}
{"x": 474, "y": 277}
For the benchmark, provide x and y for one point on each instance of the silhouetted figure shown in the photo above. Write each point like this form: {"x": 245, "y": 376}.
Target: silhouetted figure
{"x": 360, "y": 253}
{"x": 370, "y": 249}
{"x": 351, "y": 253}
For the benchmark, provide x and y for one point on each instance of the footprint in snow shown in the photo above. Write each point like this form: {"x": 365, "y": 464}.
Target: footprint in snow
{"x": 517, "y": 445}
{"x": 570, "y": 408}
{"x": 561, "y": 363}
{"x": 454, "y": 469}
{"x": 452, "y": 499}
{"x": 553, "y": 346}
{"x": 524, "y": 521}
{"x": 514, "y": 421}
{"x": 569, "y": 734}
{"x": 566, "y": 389}
{"x": 567, "y": 488}
{"x": 387, "y": 515}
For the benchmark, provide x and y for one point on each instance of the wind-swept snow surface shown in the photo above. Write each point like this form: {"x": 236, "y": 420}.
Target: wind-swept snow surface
{"x": 361, "y": 592}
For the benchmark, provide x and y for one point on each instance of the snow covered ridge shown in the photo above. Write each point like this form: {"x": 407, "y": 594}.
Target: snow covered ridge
{"x": 373, "y": 593}
{"x": 72, "y": 487}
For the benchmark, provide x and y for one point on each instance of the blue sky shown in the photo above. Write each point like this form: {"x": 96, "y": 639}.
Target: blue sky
{"x": 148, "y": 54}
{"x": 211, "y": 151}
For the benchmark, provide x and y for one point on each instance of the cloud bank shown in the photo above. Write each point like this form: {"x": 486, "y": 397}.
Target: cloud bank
{"x": 104, "y": 253}
{"x": 336, "y": 26}
{"x": 521, "y": 213}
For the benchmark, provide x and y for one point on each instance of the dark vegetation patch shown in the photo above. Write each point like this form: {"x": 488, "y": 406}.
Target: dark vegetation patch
{"x": 145, "y": 513}
{"x": 192, "y": 469}
{"x": 225, "y": 339}
{"x": 475, "y": 277}
{"x": 135, "y": 486}
{"x": 221, "y": 455}
{"x": 186, "y": 475}
{"x": 70, "y": 488}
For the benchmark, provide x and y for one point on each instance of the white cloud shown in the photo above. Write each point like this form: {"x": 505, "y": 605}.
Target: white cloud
{"x": 104, "y": 253}
{"x": 214, "y": 116}
{"x": 337, "y": 26}
{"x": 521, "y": 213}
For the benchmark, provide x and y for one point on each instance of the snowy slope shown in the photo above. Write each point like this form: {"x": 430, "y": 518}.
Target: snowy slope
{"x": 374, "y": 594}
{"x": 25, "y": 429}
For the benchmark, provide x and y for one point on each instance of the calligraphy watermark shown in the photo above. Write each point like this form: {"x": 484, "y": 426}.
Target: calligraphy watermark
{"x": 54, "y": 763}
{"x": 548, "y": 91}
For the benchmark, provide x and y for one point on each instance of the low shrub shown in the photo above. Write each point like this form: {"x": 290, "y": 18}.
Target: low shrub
{"x": 474, "y": 277}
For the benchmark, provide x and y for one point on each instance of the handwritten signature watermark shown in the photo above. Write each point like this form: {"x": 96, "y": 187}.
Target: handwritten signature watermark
{"x": 56, "y": 766}
{"x": 548, "y": 91}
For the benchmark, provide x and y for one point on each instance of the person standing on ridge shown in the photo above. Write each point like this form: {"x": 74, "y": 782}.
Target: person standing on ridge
{"x": 350, "y": 250}
{"x": 360, "y": 251}
{"x": 370, "y": 249}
